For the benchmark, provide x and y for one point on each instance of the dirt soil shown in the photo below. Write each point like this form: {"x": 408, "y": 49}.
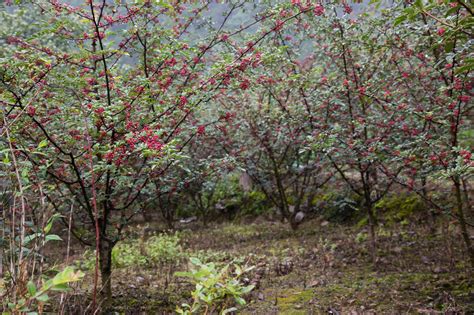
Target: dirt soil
{"x": 323, "y": 268}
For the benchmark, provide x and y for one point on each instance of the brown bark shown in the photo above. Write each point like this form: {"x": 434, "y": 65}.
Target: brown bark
{"x": 462, "y": 220}
{"x": 105, "y": 259}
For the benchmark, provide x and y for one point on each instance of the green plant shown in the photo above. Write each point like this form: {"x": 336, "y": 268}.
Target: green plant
{"x": 128, "y": 254}
{"x": 339, "y": 208}
{"x": 400, "y": 206}
{"x": 23, "y": 289}
{"x": 87, "y": 261}
{"x": 158, "y": 249}
{"x": 208, "y": 255}
{"x": 163, "y": 248}
{"x": 361, "y": 237}
{"x": 36, "y": 297}
{"x": 217, "y": 290}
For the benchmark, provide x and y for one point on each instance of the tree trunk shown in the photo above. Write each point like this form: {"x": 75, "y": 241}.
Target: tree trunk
{"x": 372, "y": 232}
{"x": 105, "y": 260}
{"x": 169, "y": 219}
{"x": 462, "y": 221}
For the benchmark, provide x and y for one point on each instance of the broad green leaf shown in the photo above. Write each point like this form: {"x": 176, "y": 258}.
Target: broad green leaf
{"x": 42, "y": 298}
{"x": 53, "y": 237}
{"x": 42, "y": 144}
{"x": 31, "y": 287}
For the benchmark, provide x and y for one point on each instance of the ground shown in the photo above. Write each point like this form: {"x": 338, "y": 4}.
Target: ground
{"x": 321, "y": 268}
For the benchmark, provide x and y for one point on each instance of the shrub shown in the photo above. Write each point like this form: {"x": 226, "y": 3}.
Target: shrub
{"x": 399, "y": 207}
{"x": 336, "y": 208}
{"x": 128, "y": 254}
{"x": 158, "y": 249}
{"x": 163, "y": 248}
{"x": 36, "y": 297}
{"x": 216, "y": 289}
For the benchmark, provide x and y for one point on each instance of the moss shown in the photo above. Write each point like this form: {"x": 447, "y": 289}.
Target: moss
{"x": 397, "y": 208}
{"x": 239, "y": 230}
{"x": 291, "y": 301}
{"x": 364, "y": 287}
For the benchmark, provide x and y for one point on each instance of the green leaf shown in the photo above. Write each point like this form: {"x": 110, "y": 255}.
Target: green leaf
{"x": 399, "y": 20}
{"x": 42, "y": 297}
{"x": 6, "y": 159}
{"x": 53, "y": 237}
{"x": 238, "y": 270}
{"x": 30, "y": 237}
{"x": 183, "y": 274}
{"x": 31, "y": 287}
{"x": 247, "y": 289}
{"x": 240, "y": 300}
{"x": 51, "y": 220}
{"x": 462, "y": 69}
{"x": 42, "y": 144}
{"x": 195, "y": 261}
{"x": 419, "y": 4}
{"x": 448, "y": 47}
{"x": 67, "y": 275}
{"x": 61, "y": 287}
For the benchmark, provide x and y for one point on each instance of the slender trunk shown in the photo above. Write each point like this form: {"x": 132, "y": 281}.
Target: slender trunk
{"x": 372, "y": 223}
{"x": 169, "y": 220}
{"x": 462, "y": 221}
{"x": 369, "y": 207}
{"x": 202, "y": 209}
{"x": 373, "y": 234}
{"x": 106, "y": 270}
{"x": 147, "y": 216}
{"x": 466, "y": 197}
{"x": 424, "y": 192}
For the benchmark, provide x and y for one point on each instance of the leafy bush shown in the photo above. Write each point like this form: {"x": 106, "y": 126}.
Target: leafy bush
{"x": 256, "y": 203}
{"x": 157, "y": 249}
{"x": 163, "y": 248}
{"x": 24, "y": 290}
{"x": 208, "y": 255}
{"x": 399, "y": 207}
{"x": 336, "y": 208}
{"x": 35, "y": 297}
{"x": 128, "y": 254}
{"x": 216, "y": 289}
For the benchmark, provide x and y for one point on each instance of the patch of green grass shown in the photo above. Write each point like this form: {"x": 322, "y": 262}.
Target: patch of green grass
{"x": 363, "y": 287}
{"x": 292, "y": 301}
{"x": 236, "y": 230}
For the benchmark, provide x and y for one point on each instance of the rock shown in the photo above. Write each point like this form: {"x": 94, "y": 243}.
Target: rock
{"x": 291, "y": 209}
{"x": 299, "y": 217}
{"x": 438, "y": 270}
{"x": 188, "y": 220}
{"x": 140, "y": 280}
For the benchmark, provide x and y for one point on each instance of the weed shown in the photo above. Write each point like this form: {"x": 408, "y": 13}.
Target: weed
{"x": 216, "y": 290}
